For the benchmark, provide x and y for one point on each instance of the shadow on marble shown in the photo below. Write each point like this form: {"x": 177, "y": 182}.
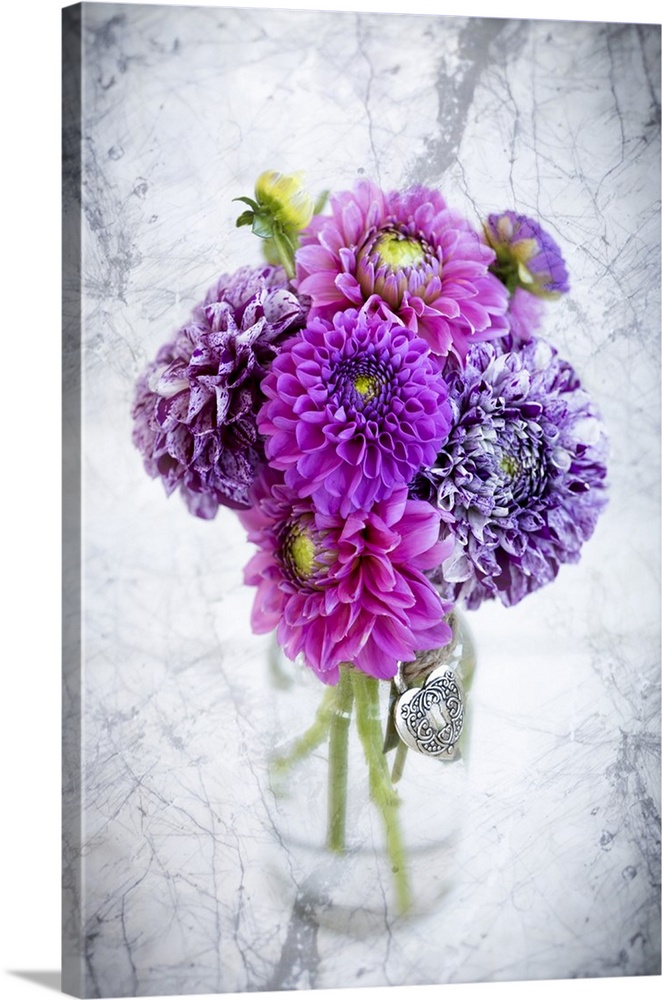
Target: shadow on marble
{"x": 49, "y": 980}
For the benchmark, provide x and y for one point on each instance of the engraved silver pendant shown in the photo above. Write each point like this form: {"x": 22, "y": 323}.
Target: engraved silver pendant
{"x": 429, "y": 719}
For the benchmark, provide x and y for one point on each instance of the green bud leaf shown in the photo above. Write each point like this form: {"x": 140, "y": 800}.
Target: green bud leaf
{"x": 245, "y": 219}
{"x": 248, "y": 201}
{"x": 263, "y": 225}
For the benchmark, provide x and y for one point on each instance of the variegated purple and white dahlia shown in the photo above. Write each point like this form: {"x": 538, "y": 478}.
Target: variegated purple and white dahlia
{"x": 521, "y": 480}
{"x": 196, "y": 404}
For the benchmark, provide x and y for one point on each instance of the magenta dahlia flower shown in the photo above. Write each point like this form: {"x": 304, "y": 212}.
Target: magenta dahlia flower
{"x": 527, "y": 257}
{"x": 520, "y": 482}
{"x": 196, "y": 404}
{"x": 345, "y": 590}
{"x": 353, "y": 408}
{"x": 424, "y": 262}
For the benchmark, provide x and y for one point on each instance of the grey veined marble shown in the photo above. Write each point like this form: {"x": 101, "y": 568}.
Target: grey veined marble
{"x": 167, "y": 708}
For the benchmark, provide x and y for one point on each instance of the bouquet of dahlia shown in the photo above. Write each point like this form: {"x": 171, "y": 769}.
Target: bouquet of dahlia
{"x": 376, "y": 403}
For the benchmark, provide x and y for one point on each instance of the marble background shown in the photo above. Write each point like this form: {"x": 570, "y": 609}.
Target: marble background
{"x": 560, "y": 868}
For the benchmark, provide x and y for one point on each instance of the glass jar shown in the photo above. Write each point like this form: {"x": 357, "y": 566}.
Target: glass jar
{"x": 367, "y": 829}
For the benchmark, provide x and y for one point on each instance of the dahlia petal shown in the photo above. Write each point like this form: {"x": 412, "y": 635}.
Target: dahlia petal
{"x": 350, "y": 589}
{"x": 348, "y": 287}
{"x": 278, "y": 449}
{"x": 435, "y": 636}
{"x": 378, "y": 574}
{"x": 314, "y": 258}
{"x": 309, "y": 435}
{"x": 394, "y": 638}
{"x": 320, "y": 287}
{"x": 422, "y": 531}
{"x": 315, "y": 467}
{"x": 352, "y": 222}
{"x": 200, "y": 504}
{"x": 352, "y": 451}
{"x": 372, "y": 661}
{"x": 427, "y": 606}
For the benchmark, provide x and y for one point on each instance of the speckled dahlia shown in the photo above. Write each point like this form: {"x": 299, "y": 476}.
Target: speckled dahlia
{"x": 527, "y": 257}
{"x": 423, "y": 261}
{"x": 354, "y": 407}
{"x": 341, "y": 590}
{"x": 195, "y": 405}
{"x": 521, "y": 480}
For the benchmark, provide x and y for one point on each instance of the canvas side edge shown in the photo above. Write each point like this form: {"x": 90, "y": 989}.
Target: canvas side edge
{"x": 72, "y": 875}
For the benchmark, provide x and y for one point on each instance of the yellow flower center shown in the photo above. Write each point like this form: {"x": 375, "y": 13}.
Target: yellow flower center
{"x": 398, "y": 251}
{"x": 509, "y": 465}
{"x": 366, "y": 385}
{"x": 302, "y": 553}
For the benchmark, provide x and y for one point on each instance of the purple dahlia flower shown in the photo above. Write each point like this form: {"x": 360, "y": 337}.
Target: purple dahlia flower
{"x": 423, "y": 261}
{"x": 341, "y": 590}
{"x": 353, "y": 408}
{"x": 526, "y": 256}
{"x": 195, "y": 406}
{"x": 521, "y": 480}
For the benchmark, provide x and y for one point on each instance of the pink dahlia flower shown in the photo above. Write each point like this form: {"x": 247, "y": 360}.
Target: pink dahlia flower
{"x": 423, "y": 260}
{"x": 354, "y": 407}
{"x": 345, "y": 590}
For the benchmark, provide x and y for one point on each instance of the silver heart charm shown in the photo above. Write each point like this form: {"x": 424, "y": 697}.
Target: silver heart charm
{"x": 429, "y": 719}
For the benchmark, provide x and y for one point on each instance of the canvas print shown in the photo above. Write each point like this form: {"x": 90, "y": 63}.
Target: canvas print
{"x": 361, "y": 471}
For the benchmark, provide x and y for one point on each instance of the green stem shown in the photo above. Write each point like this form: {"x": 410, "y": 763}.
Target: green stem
{"x": 285, "y": 250}
{"x": 313, "y": 736}
{"x": 368, "y": 723}
{"x": 399, "y": 762}
{"x": 338, "y": 743}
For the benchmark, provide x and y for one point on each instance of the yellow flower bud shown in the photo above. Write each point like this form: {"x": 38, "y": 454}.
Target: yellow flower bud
{"x": 285, "y": 198}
